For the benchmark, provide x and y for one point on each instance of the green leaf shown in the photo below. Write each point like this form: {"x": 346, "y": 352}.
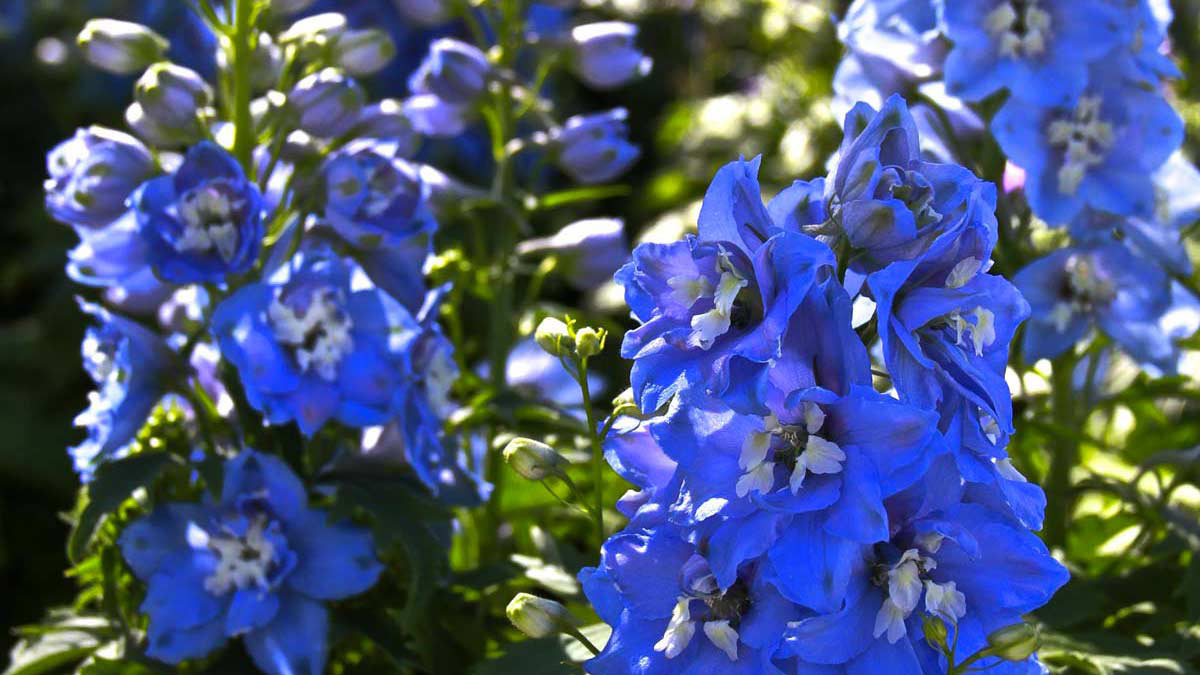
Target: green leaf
{"x": 114, "y": 483}
{"x": 1118, "y": 656}
{"x": 583, "y": 194}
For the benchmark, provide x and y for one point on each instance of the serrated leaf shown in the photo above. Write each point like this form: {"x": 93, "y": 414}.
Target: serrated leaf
{"x": 114, "y": 483}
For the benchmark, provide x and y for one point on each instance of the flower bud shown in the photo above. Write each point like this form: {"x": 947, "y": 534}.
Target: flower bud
{"x": 537, "y": 617}
{"x": 174, "y": 96}
{"x": 553, "y": 336}
{"x": 424, "y": 12}
{"x": 386, "y": 120}
{"x": 454, "y": 71}
{"x": 590, "y": 251}
{"x": 319, "y": 29}
{"x": 605, "y": 56}
{"x": 594, "y": 148}
{"x": 92, "y": 174}
{"x": 431, "y": 116}
{"x": 152, "y": 131}
{"x": 935, "y": 630}
{"x": 589, "y": 341}
{"x": 327, "y": 102}
{"x": 120, "y": 47}
{"x": 533, "y": 460}
{"x": 363, "y": 52}
{"x": 290, "y": 6}
{"x": 1016, "y": 642}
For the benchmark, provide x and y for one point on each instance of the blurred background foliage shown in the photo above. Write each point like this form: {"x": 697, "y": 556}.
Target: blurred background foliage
{"x": 731, "y": 77}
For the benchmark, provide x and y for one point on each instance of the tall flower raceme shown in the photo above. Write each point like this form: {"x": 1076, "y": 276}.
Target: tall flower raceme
{"x": 1085, "y": 119}
{"x": 792, "y": 518}
{"x": 288, "y": 276}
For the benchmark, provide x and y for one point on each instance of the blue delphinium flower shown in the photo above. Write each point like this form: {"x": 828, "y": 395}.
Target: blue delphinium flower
{"x": 588, "y": 251}
{"x": 1038, "y": 49}
{"x": 1073, "y": 289}
{"x": 310, "y": 345}
{"x": 132, "y": 368}
{"x": 116, "y": 257}
{"x": 832, "y": 458}
{"x": 1100, "y": 151}
{"x": 259, "y": 563}
{"x": 594, "y": 148}
{"x": 377, "y": 202}
{"x": 423, "y": 403}
{"x": 715, "y": 308}
{"x": 203, "y": 223}
{"x": 92, "y": 175}
{"x": 446, "y": 86}
{"x": 887, "y": 201}
{"x": 669, "y": 616}
{"x": 962, "y": 564}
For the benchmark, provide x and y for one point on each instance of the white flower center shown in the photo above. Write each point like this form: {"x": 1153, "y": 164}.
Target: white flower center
{"x": 242, "y": 562}
{"x": 1082, "y": 291}
{"x": 818, "y": 455}
{"x": 320, "y": 337}
{"x": 207, "y": 215}
{"x": 710, "y": 325}
{"x": 1085, "y": 138}
{"x": 682, "y": 628}
{"x": 904, "y": 583}
{"x": 1021, "y": 27}
{"x": 980, "y": 324}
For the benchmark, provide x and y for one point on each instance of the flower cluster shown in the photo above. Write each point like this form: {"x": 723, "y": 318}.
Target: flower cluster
{"x": 1088, "y": 132}
{"x": 790, "y": 518}
{"x": 266, "y": 232}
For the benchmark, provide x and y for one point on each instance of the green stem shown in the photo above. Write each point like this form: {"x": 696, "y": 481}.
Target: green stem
{"x": 597, "y": 452}
{"x": 1065, "y": 456}
{"x": 243, "y": 58}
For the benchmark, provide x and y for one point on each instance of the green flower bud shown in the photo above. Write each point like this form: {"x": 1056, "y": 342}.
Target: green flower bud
{"x": 319, "y": 30}
{"x": 554, "y": 336}
{"x": 121, "y": 47}
{"x": 935, "y": 631}
{"x": 589, "y": 341}
{"x": 533, "y": 460}
{"x": 173, "y": 96}
{"x": 537, "y": 617}
{"x": 1016, "y": 642}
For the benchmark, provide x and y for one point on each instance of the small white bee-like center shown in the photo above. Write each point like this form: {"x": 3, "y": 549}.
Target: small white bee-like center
{"x": 1021, "y": 27}
{"x": 320, "y": 336}
{"x": 242, "y": 562}
{"x": 810, "y": 452}
{"x": 1085, "y": 138}
{"x": 904, "y": 582}
{"x": 207, "y": 214}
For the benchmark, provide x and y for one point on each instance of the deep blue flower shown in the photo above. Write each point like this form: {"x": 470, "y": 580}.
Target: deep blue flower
{"x": 715, "y": 309}
{"x": 310, "y": 345}
{"x": 432, "y": 116}
{"x": 962, "y": 564}
{"x": 1038, "y": 49}
{"x": 1100, "y": 151}
{"x": 92, "y": 175}
{"x": 203, "y": 223}
{"x": 1141, "y": 58}
{"x": 116, "y": 257}
{"x": 594, "y": 148}
{"x": 423, "y": 403}
{"x": 131, "y": 367}
{"x": 832, "y": 458}
{"x": 888, "y": 202}
{"x": 669, "y": 617}
{"x": 259, "y": 563}
{"x": 377, "y": 202}
{"x": 605, "y": 55}
{"x": 1073, "y": 289}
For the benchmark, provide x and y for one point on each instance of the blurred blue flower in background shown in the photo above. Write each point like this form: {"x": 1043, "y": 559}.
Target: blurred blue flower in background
{"x": 1099, "y": 151}
{"x": 594, "y": 148}
{"x": 1039, "y": 50}
{"x": 257, "y": 564}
